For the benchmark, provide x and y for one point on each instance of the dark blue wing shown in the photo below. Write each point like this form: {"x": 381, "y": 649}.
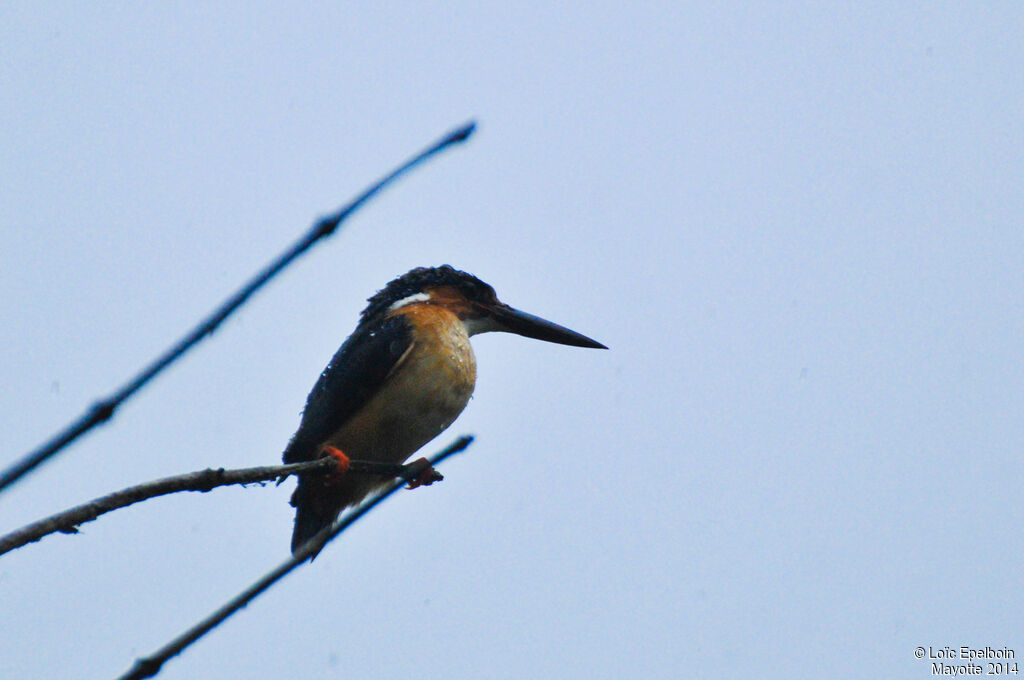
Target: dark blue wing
{"x": 354, "y": 375}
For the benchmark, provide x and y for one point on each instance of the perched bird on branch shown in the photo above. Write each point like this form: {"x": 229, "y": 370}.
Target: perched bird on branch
{"x": 402, "y": 377}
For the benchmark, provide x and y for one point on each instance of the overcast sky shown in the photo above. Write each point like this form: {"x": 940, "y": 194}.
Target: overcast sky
{"x": 797, "y": 228}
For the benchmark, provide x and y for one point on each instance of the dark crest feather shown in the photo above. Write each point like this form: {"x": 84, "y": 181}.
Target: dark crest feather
{"x": 419, "y": 280}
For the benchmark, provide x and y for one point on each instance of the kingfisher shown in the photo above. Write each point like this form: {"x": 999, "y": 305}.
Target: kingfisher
{"x": 402, "y": 377}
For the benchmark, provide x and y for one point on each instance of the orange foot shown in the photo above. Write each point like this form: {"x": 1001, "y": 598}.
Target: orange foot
{"x": 332, "y": 478}
{"x": 427, "y": 477}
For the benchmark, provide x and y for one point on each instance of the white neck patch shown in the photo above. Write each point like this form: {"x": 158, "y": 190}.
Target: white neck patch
{"x": 481, "y": 325}
{"x": 415, "y": 297}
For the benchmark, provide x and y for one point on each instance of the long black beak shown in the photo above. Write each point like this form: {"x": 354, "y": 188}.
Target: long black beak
{"x": 521, "y": 323}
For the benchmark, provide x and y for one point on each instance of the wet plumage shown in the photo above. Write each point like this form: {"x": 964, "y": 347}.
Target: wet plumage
{"x": 402, "y": 377}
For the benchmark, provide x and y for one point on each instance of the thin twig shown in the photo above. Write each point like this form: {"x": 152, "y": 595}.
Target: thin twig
{"x": 103, "y": 409}
{"x": 203, "y": 480}
{"x": 149, "y": 666}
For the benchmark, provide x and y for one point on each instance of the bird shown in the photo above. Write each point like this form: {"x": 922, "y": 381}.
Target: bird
{"x": 400, "y": 379}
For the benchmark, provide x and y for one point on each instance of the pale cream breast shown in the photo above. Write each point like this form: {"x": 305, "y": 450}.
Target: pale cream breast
{"x": 424, "y": 394}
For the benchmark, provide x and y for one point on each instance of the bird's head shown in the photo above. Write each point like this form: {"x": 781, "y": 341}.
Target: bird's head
{"x": 473, "y": 301}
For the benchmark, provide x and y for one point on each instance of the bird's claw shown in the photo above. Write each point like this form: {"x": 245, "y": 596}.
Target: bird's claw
{"x": 332, "y": 478}
{"x": 425, "y": 478}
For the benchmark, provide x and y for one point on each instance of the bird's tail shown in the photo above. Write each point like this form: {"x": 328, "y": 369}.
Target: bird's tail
{"x": 314, "y": 513}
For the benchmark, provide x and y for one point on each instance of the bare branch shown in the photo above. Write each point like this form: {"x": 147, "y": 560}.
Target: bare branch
{"x": 103, "y": 409}
{"x": 149, "y": 666}
{"x": 67, "y": 521}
